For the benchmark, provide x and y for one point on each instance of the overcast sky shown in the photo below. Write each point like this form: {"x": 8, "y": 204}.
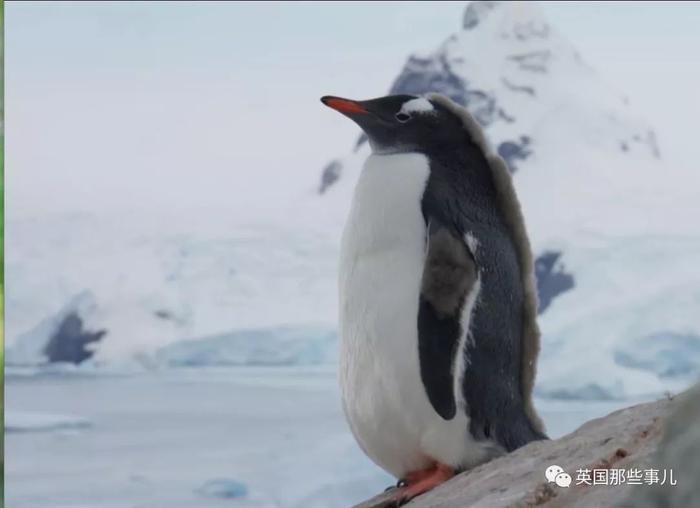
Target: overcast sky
{"x": 198, "y": 104}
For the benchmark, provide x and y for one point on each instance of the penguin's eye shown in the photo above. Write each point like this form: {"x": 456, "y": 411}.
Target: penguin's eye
{"x": 403, "y": 117}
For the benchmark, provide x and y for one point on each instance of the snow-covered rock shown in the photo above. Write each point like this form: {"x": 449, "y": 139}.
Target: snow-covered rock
{"x": 58, "y": 338}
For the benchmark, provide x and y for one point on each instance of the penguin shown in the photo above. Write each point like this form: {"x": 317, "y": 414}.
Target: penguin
{"x": 437, "y": 299}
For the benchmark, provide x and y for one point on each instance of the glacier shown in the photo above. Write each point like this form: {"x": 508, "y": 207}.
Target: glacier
{"x": 284, "y": 346}
{"x": 149, "y": 281}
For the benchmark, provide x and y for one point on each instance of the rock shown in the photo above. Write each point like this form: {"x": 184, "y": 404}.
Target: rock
{"x": 60, "y": 338}
{"x": 475, "y": 12}
{"x": 513, "y": 151}
{"x": 624, "y": 439}
{"x": 69, "y": 343}
{"x": 330, "y": 175}
{"x": 421, "y": 75}
{"x": 679, "y": 451}
{"x": 552, "y": 278}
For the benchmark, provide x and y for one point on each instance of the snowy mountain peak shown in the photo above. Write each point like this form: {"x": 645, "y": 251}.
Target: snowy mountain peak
{"x": 521, "y": 19}
{"x": 477, "y": 11}
{"x": 525, "y": 83}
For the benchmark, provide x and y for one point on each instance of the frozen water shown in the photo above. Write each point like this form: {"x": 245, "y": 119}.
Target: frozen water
{"x": 224, "y": 488}
{"x": 156, "y": 438}
{"x": 25, "y": 421}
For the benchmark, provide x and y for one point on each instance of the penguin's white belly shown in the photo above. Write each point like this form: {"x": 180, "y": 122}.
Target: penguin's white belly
{"x": 381, "y": 266}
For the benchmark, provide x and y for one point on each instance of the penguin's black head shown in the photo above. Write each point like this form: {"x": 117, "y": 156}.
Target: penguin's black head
{"x": 401, "y": 123}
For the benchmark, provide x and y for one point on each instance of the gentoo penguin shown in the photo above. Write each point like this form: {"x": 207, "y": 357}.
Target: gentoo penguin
{"x": 439, "y": 338}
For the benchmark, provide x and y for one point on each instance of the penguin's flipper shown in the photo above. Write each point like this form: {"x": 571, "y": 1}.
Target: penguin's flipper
{"x": 449, "y": 275}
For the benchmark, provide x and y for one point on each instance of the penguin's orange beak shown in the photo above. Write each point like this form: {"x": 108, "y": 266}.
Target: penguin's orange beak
{"x": 343, "y": 105}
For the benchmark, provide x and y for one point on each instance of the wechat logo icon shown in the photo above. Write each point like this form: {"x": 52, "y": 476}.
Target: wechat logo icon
{"x": 556, "y": 474}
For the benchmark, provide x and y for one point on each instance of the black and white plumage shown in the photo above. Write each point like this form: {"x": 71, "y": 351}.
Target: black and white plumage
{"x": 437, "y": 293}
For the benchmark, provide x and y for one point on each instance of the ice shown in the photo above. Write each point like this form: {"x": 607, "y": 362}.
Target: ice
{"x": 267, "y": 346}
{"x": 155, "y": 281}
{"x": 157, "y": 437}
{"x": 630, "y": 309}
{"x": 162, "y": 435}
{"x": 25, "y": 421}
{"x": 223, "y": 488}
{"x": 668, "y": 355}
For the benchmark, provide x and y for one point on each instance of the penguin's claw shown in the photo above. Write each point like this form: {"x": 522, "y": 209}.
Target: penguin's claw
{"x": 419, "y": 482}
{"x": 399, "y": 484}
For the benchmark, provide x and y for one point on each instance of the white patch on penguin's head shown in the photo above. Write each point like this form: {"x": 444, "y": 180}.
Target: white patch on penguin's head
{"x": 417, "y": 105}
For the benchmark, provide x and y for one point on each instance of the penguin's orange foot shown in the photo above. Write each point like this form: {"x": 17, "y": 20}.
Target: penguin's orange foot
{"x": 416, "y": 483}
